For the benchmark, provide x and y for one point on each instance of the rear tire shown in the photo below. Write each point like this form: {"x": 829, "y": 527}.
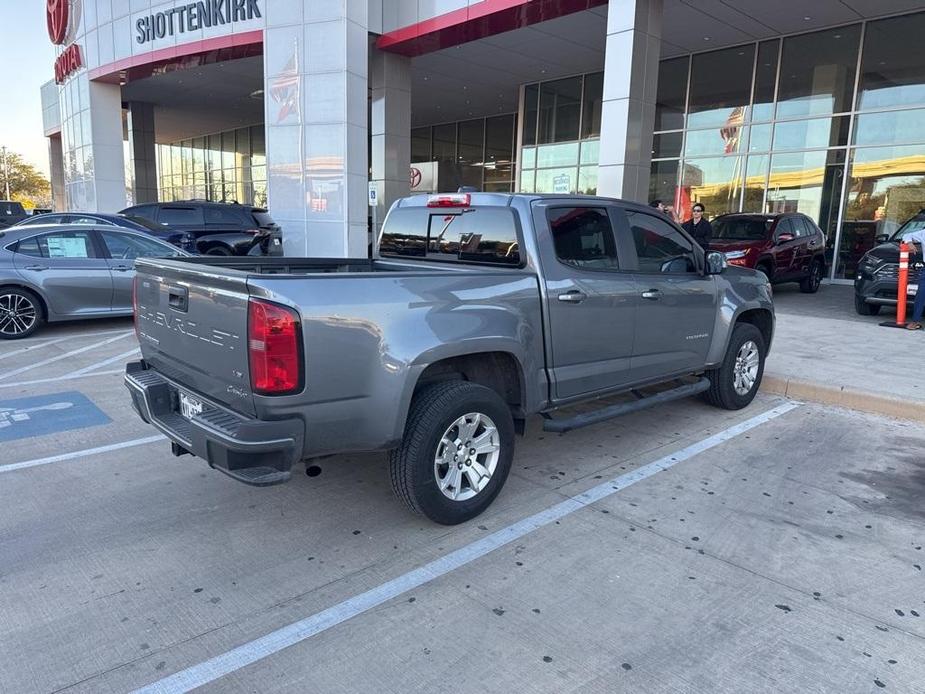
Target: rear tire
{"x": 219, "y": 250}
{"x": 21, "y": 313}
{"x": 865, "y": 309}
{"x": 764, "y": 269}
{"x": 433, "y": 462}
{"x": 742, "y": 366}
{"x": 811, "y": 283}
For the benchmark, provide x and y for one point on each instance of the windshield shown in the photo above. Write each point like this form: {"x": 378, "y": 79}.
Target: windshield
{"x": 742, "y": 229}
{"x": 914, "y": 224}
{"x": 144, "y": 222}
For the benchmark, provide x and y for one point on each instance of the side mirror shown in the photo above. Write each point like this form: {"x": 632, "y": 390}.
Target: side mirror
{"x": 784, "y": 237}
{"x": 715, "y": 262}
{"x": 882, "y": 238}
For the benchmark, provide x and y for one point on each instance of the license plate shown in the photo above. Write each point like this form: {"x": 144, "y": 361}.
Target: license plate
{"x": 912, "y": 289}
{"x": 189, "y": 406}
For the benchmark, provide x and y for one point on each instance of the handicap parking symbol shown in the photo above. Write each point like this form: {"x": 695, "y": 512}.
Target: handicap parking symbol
{"x": 48, "y": 414}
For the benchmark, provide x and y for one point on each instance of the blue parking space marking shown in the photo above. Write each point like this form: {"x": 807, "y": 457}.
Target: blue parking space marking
{"x": 48, "y": 414}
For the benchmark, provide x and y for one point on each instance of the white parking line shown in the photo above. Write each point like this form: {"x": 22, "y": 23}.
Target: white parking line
{"x": 105, "y": 362}
{"x": 34, "y": 342}
{"x": 274, "y": 642}
{"x": 79, "y": 454}
{"x": 30, "y": 348}
{"x": 66, "y": 355}
{"x": 55, "y": 379}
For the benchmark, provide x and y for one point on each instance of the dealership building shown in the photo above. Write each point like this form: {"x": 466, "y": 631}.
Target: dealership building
{"x": 300, "y": 105}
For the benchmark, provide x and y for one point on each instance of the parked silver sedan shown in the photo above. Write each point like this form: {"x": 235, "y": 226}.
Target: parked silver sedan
{"x": 68, "y": 272}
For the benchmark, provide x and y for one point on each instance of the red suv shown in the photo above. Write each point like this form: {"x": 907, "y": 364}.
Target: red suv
{"x": 785, "y": 247}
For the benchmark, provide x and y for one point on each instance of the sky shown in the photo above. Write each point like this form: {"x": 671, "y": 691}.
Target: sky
{"x": 27, "y": 58}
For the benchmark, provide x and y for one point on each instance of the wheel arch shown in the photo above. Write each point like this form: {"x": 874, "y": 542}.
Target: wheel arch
{"x": 43, "y": 303}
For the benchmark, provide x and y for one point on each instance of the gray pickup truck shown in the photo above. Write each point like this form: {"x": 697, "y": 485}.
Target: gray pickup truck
{"x": 478, "y": 311}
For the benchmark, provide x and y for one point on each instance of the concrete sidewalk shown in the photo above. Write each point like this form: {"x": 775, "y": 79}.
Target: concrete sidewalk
{"x": 824, "y": 352}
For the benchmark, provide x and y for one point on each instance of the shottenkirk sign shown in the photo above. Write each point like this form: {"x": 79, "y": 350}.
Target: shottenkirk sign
{"x": 193, "y": 16}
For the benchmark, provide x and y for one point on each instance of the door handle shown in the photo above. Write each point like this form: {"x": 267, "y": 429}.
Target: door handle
{"x": 652, "y": 295}
{"x": 121, "y": 268}
{"x": 37, "y": 268}
{"x": 573, "y": 297}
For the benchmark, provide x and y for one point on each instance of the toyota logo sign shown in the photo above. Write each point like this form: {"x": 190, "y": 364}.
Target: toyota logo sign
{"x": 61, "y": 17}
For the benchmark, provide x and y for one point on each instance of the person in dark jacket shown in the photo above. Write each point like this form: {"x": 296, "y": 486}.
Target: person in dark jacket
{"x": 698, "y": 227}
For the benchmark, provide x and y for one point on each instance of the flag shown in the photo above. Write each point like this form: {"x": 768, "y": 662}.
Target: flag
{"x": 284, "y": 88}
{"x": 732, "y": 129}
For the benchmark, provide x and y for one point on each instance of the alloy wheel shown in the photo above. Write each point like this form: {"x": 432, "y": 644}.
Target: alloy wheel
{"x": 467, "y": 456}
{"x": 17, "y": 314}
{"x": 745, "y": 371}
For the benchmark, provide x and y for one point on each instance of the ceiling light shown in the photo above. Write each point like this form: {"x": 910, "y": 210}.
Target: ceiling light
{"x": 806, "y": 19}
{"x": 706, "y": 38}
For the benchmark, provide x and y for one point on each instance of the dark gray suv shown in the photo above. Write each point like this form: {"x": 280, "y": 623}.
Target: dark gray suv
{"x": 219, "y": 228}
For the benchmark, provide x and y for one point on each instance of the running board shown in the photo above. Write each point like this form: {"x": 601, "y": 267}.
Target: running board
{"x": 562, "y": 426}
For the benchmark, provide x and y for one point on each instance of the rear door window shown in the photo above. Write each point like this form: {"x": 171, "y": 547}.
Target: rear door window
{"x": 189, "y": 216}
{"x": 263, "y": 218}
{"x": 583, "y": 237}
{"x": 63, "y": 244}
{"x": 228, "y": 217}
{"x": 9, "y": 209}
{"x": 474, "y": 234}
{"x": 123, "y": 246}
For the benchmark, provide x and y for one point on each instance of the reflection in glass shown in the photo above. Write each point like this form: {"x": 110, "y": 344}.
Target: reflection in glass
{"x": 817, "y": 72}
{"x": 760, "y": 140}
{"x": 808, "y": 134}
{"x": 527, "y": 178}
{"x": 796, "y": 182}
{"x": 886, "y": 186}
{"x": 716, "y": 183}
{"x": 890, "y": 127}
{"x": 765, "y": 80}
{"x": 531, "y": 100}
{"x": 557, "y": 155}
{"x": 726, "y": 140}
{"x": 721, "y": 86}
{"x": 587, "y": 180}
{"x": 529, "y": 157}
{"x": 471, "y": 151}
{"x": 672, "y": 94}
{"x": 420, "y": 145}
{"x": 892, "y": 69}
{"x": 590, "y": 152}
{"x": 756, "y": 179}
{"x": 560, "y": 110}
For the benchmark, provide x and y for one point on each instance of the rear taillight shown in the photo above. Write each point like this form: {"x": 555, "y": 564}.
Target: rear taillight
{"x": 273, "y": 346}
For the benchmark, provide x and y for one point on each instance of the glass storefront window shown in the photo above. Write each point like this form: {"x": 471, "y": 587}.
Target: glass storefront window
{"x": 560, "y": 110}
{"x": 663, "y": 180}
{"x": 721, "y": 86}
{"x": 499, "y": 139}
{"x": 817, "y": 72}
{"x": 886, "y": 186}
{"x": 593, "y": 102}
{"x": 590, "y": 152}
{"x": 531, "y": 104}
{"x": 565, "y": 154}
{"x": 527, "y": 181}
{"x": 765, "y": 80}
{"x": 529, "y": 157}
{"x": 795, "y": 183}
{"x": 890, "y": 127}
{"x": 587, "y": 180}
{"x": 563, "y": 180}
{"x": 808, "y": 134}
{"x": 716, "y": 183}
{"x": 444, "y": 145}
{"x": 892, "y": 68}
{"x": 471, "y": 152}
{"x": 756, "y": 179}
{"x": 671, "y": 98}
{"x": 715, "y": 141}
{"x": 666, "y": 145}
{"x": 760, "y": 139}
{"x": 420, "y": 145}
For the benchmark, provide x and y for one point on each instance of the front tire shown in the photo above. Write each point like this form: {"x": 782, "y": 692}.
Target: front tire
{"x": 21, "y": 313}
{"x": 735, "y": 383}
{"x": 456, "y": 452}
{"x": 811, "y": 283}
{"x": 865, "y": 309}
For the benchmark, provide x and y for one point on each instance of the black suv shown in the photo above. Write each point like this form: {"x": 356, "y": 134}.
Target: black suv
{"x": 877, "y": 281}
{"x": 219, "y": 228}
{"x": 11, "y": 213}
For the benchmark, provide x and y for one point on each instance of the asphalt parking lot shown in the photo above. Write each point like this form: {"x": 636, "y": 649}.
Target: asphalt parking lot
{"x": 683, "y": 549}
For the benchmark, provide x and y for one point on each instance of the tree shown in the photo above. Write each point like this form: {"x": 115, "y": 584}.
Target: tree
{"x": 27, "y": 184}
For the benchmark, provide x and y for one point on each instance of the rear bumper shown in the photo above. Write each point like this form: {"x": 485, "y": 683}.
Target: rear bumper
{"x": 252, "y": 451}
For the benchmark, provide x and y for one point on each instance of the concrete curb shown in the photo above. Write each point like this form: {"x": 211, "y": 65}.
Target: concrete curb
{"x": 843, "y": 396}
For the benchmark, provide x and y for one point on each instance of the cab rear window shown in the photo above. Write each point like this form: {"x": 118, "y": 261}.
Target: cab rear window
{"x": 469, "y": 235}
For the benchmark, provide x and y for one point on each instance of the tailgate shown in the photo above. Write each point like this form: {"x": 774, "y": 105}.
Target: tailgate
{"x": 192, "y": 326}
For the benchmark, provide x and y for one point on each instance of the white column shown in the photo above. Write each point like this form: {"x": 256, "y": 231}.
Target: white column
{"x": 56, "y": 169}
{"x": 142, "y": 152}
{"x": 390, "y": 127}
{"x": 91, "y": 137}
{"x": 634, "y": 30}
{"x": 315, "y": 85}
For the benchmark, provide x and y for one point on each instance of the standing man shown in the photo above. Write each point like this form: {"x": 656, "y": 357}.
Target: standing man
{"x": 916, "y": 238}
{"x": 698, "y": 227}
